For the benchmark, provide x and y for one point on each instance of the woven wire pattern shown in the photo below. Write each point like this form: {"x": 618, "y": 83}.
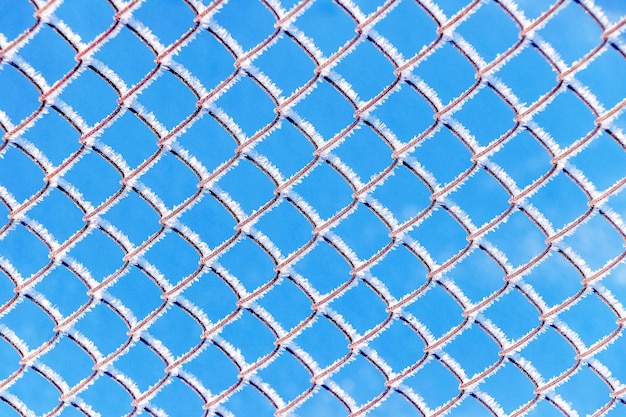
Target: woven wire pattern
{"x": 132, "y": 259}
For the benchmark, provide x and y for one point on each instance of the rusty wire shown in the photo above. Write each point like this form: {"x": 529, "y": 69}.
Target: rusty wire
{"x": 285, "y": 23}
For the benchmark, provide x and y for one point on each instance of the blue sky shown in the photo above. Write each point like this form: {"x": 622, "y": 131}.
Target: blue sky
{"x": 140, "y": 216}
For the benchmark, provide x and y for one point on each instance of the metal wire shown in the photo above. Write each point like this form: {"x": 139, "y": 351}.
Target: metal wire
{"x": 286, "y": 24}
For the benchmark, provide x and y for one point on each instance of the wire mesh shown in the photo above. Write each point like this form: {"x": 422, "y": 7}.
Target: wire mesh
{"x": 313, "y": 215}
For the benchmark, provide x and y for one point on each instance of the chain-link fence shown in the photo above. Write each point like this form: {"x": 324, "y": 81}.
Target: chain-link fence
{"x": 401, "y": 207}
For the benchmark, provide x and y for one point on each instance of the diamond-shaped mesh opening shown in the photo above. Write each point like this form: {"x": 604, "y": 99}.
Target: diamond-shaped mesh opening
{"x": 250, "y": 397}
{"x": 585, "y": 391}
{"x": 577, "y": 37}
{"x": 606, "y": 66}
{"x": 566, "y": 119}
{"x": 509, "y": 387}
{"x": 287, "y": 148}
{"x": 365, "y": 152}
{"x": 327, "y": 120}
{"x": 486, "y": 104}
{"x": 514, "y": 314}
{"x": 217, "y": 371}
{"x": 258, "y": 269}
{"x": 286, "y": 64}
{"x": 324, "y": 341}
{"x": 58, "y": 214}
{"x": 434, "y": 396}
{"x": 555, "y": 278}
{"x": 478, "y": 275}
{"x": 602, "y": 162}
{"x": 491, "y": 22}
{"x": 437, "y": 310}
{"x": 30, "y": 324}
{"x": 208, "y": 142}
{"x": 134, "y": 217}
{"x": 560, "y": 201}
{"x": 408, "y": 13}
{"x": 325, "y": 190}
{"x": 474, "y": 350}
{"x": 138, "y": 292}
{"x": 248, "y": 186}
{"x": 185, "y": 262}
{"x": 441, "y": 235}
{"x": 211, "y": 220}
{"x": 480, "y": 187}
{"x": 167, "y": 20}
{"x": 400, "y": 271}
{"x": 283, "y": 220}
{"x": 405, "y": 124}
{"x": 399, "y": 355}
{"x": 370, "y": 80}
{"x": 99, "y": 254}
{"x": 249, "y": 323}
{"x": 530, "y": 63}
{"x": 203, "y": 48}
{"x": 91, "y": 97}
{"x": 324, "y": 14}
{"x": 36, "y": 392}
{"x": 323, "y": 267}
{"x": 597, "y": 242}
{"x": 351, "y": 377}
{"x": 20, "y": 95}
{"x": 65, "y": 141}
{"x": 461, "y": 75}
{"x": 550, "y": 354}
{"x": 246, "y": 98}
{"x": 171, "y": 189}
{"x": 24, "y": 251}
{"x": 314, "y": 208}
{"x": 64, "y": 290}
{"x": 94, "y": 178}
{"x": 179, "y": 399}
{"x": 214, "y": 296}
{"x": 527, "y": 244}
{"x": 17, "y": 19}
{"x": 130, "y": 138}
{"x": 177, "y": 330}
{"x": 86, "y": 22}
{"x": 289, "y": 315}
{"x": 69, "y": 361}
{"x": 287, "y": 376}
{"x": 125, "y": 46}
{"x": 361, "y": 307}
{"x": 524, "y": 159}
{"x": 591, "y": 319}
{"x": 364, "y": 232}
{"x": 444, "y": 156}
{"x": 247, "y": 21}
{"x": 106, "y": 395}
{"x": 403, "y": 182}
{"x": 51, "y": 66}
{"x": 104, "y": 327}
{"x": 160, "y": 91}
